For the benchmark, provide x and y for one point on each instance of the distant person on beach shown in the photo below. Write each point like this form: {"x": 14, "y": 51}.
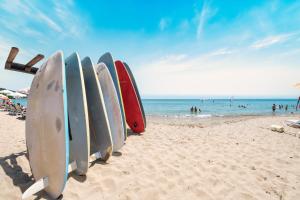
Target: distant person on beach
{"x": 199, "y": 110}
{"x": 298, "y": 104}
{"x": 286, "y": 107}
{"x": 274, "y": 108}
{"x": 196, "y": 109}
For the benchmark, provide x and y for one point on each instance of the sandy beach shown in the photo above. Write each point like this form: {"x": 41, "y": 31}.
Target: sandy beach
{"x": 218, "y": 158}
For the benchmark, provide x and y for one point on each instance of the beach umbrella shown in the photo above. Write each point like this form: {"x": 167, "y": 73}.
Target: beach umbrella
{"x": 6, "y": 92}
{"x": 24, "y": 90}
{"x": 17, "y": 95}
{"x": 3, "y": 97}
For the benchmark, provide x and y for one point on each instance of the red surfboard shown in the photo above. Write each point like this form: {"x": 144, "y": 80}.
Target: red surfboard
{"x": 132, "y": 107}
{"x": 136, "y": 91}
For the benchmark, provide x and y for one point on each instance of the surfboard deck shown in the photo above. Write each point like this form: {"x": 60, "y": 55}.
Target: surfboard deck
{"x": 100, "y": 132}
{"x": 109, "y": 62}
{"x": 77, "y": 114}
{"x": 47, "y": 137}
{"x": 112, "y": 106}
{"x": 133, "y": 111}
{"x": 136, "y": 90}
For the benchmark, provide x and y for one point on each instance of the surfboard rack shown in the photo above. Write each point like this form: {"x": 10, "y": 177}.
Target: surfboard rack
{"x": 43, "y": 183}
{"x": 27, "y": 68}
{"x": 95, "y": 156}
{"x": 36, "y": 187}
{"x": 72, "y": 166}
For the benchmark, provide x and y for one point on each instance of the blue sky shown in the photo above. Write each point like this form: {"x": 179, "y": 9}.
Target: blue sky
{"x": 175, "y": 48}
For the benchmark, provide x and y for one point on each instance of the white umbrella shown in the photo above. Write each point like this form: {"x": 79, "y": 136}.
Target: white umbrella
{"x": 3, "y": 97}
{"x": 18, "y": 95}
{"x": 24, "y": 90}
{"x": 6, "y": 92}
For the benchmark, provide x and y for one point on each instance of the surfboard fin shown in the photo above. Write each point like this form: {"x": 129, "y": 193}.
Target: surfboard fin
{"x": 36, "y": 187}
{"x": 95, "y": 156}
{"x": 72, "y": 166}
{"x": 27, "y": 68}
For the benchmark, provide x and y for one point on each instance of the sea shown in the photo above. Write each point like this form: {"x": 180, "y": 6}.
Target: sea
{"x": 212, "y": 107}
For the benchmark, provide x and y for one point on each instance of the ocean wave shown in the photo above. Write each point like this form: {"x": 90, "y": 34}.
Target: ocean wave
{"x": 204, "y": 116}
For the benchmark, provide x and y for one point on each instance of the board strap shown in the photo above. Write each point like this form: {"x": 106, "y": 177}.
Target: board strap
{"x": 36, "y": 187}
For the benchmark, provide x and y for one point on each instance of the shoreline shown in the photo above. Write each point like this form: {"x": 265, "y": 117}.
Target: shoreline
{"x": 227, "y": 115}
{"x": 213, "y": 119}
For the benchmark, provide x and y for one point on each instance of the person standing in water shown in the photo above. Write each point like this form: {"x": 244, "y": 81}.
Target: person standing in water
{"x": 274, "y": 108}
{"x": 192, "y": 109}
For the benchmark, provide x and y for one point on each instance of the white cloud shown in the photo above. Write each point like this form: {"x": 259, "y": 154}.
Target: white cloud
{"x": 4, "y": 46}
{"x": 32, "y": 32}
{"x": 203, "y": 16}
{"x": 63, "y": 20}
{"x": 70, "y": 2}
{"x": 223, "y": 51}
{"x": 176, "y": 58}
{"x": 164, "y": 23}
{"x": 15, "y": 6}
{"x": 74, "y": 24}
{"x": 184, "y": 25}
{"x": 51, "y": 24}
{"x": 10, "y": 79}
{"x": 271, "y": 40}
{"x": 26, "y": 10}
{"x": 234, "y": 74}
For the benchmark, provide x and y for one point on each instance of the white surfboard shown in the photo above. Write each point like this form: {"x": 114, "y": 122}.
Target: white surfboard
{"x": 100, "y": 132}
{"x": 112, "y": 106}
{"x": 47, "y": 135}
{"x": 109, "y": 62}
{"x": 78, "y": 115}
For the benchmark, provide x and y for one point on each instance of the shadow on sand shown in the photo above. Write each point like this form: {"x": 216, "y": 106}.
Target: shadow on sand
{"x": 131, "y": 133}
{"x": 19, "y": 178}
{"x": 21, "y": 118}
{"x": 79, "y": 178}
{"x": 117, "y": 154}
{"x": 98, "y": 161}
{"x": 24, "y": 180}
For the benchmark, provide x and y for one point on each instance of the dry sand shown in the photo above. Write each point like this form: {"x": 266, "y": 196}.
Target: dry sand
{"x": 220, "y": 158}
